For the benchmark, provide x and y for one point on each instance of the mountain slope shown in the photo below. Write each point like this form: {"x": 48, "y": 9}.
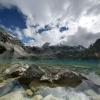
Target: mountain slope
{"x": 10, "y": 47}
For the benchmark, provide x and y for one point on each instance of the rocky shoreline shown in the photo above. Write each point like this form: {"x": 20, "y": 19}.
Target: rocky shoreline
{"x": 43, "y": 74}
{"x": 34, "y": 78}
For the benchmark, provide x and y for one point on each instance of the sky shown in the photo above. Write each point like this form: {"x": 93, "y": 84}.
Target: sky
{"x": 66, "y": 22}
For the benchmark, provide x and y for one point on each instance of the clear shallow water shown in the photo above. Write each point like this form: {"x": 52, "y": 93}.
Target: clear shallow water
{"x": 82, "y": 66}
{"x": 64, "y": 93}
{"x": 85, "y": 91}
{"x": 77, "y": 65}
{"x": 82, "y": 92}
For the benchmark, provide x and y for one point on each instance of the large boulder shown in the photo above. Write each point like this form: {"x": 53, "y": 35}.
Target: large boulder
{"x": 27, "y": 74}
{"x": 15, "y": 70}
{"x": 52, "y": 75}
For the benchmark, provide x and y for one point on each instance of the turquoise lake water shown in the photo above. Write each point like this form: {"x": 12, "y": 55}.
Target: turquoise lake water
{"x": 90, "y": 67}
{"x": 77, "y": 65}
{"x": 82, "y": 66}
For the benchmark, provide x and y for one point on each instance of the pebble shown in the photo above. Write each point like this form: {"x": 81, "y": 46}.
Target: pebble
{"x": 29, "y": 92}
{"x": 37, "y": 97}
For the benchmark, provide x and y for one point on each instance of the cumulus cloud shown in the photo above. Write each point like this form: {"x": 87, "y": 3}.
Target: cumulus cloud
{"x": 53, "y": 36}
{"x": 82, "y": 38}
{"x": 91, "y": 23}
{"x": 81, "y": 16}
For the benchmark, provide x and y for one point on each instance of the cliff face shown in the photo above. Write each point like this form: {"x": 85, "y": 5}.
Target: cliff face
{"x": 10, "y": 47}
{"x": 94, "y": 49}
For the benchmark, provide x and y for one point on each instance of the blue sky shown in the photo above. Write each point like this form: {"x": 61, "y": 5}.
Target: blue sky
{"x": 36, "y": 22}
{"x": 12, "y": 18}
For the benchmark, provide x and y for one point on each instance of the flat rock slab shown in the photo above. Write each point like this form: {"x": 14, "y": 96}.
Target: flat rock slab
{"x": 51, "y": 75}
{"x": 43, "y": 74}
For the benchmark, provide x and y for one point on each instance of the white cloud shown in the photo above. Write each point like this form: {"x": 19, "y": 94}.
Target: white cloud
{"x": 76, "y": 13}
{"x": 19, "y": 33}
{"x": 82, "y": 37}
{"x": 91, "y": 23}
{"x": 53, "y": 36}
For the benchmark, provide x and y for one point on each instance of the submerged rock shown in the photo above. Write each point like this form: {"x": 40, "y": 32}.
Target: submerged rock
{"x": 96, "y": 97}
{"x": 60, "y": 76}
{"x": 33, "y": 72}
{"x": 16, "y": 70}
{"x": 51, "y": 97}
{"x": 37, "y": 97}
{"x": 90, "y": 92}
{"x": 29, "y": 92}
{"x": 7, "y": 87}
{"x": 55, "y": 76}
{"x": 17, "y": 95}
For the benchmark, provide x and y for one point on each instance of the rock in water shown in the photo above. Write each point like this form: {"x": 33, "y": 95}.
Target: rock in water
{"x": 8, "y": 87}
{"x": 54, "y": 75}
{"x": 38, "y": 97}
{"x": 33, "y": 72}
{"x": 51, "y": 97}
{"x": 16, "y": 95}
{"x": 50, "y": 75}
{"x": 96, "y": 97}
{"x": 16, "y": 70}
{"x": 29, "y": 92}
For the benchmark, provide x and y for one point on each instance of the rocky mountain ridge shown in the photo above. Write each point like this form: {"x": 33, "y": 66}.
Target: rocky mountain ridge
{"x": 11, "y": 47}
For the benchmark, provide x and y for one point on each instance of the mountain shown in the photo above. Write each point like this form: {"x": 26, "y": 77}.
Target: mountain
{"x": 10, "y": 47}
{"x": 67, "y": 52}
{"x": 58, "y": 51}
{"x": 96, "y": 46}
{"x": 94, "y": 50}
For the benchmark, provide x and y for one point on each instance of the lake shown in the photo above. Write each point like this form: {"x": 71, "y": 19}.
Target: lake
{"x": 85, "y": 91}
{"x": 78, "y": 65}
